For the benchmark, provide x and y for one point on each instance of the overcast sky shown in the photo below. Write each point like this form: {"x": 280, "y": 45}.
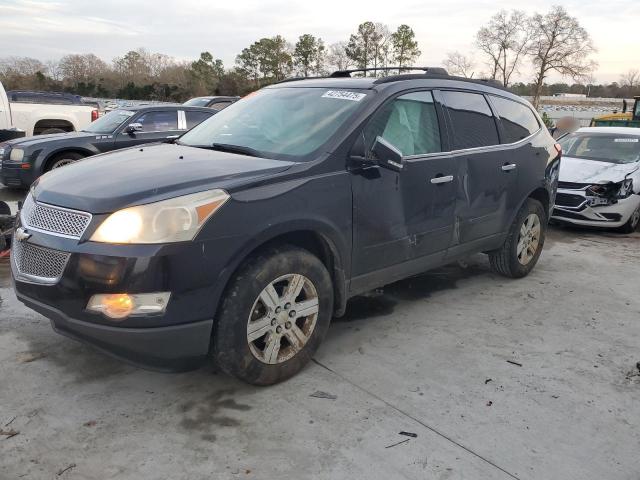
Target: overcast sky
{"x": 50, "y": 29}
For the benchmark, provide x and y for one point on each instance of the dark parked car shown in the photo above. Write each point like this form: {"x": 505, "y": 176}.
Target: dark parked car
{"x": 54, "y": 98}
{"x": 243, "y": 239}
{"x": 215, "y": 102}
{"x": 24, "y": 160}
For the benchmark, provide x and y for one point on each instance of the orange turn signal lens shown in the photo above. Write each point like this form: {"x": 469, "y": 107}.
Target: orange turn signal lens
{"x": 118, "y": 306}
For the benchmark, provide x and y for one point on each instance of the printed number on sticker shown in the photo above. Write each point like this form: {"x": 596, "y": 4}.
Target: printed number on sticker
{"x": 344, "y": 95}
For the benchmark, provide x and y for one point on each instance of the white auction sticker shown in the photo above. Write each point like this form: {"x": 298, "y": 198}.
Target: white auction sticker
{"x": 344, "y": 95}
{"x": 626, "y": 140}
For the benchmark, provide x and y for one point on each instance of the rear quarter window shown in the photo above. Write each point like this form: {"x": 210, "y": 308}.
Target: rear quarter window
{"x": 518, "y": 121}
{"x": 471, "y": 118}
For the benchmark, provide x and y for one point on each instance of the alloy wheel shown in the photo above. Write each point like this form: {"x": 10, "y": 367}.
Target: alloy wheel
{"x": 635, "y": 218}
{"x": 63, "y": 162}
{"x": 282, "y": 319}
{"x": 528, "y": 239}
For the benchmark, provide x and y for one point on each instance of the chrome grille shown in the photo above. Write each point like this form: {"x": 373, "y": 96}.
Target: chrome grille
{"x": 55, "y": 220}
{"x": 38, "y": 264}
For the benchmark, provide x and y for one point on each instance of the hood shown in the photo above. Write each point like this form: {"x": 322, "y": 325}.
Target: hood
{"x": 27, "y": 142}
{"x": 578, "y": 170}
{"x": 106, "y": 183}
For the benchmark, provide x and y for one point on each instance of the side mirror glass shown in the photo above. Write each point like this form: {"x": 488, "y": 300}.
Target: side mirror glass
{"x": 133, "y": 127}
{"x": 387, "y": 155}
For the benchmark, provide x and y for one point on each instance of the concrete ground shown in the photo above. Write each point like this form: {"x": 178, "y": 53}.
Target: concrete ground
{"x": 498, "y": 379}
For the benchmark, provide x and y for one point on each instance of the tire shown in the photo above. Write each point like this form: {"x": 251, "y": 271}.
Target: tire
{"x": 49, "y": 131}
{"x": 632, "y": 223}
{"x": 63, "y": 159}
{"x": 251, "y": 306}
{"x": 512, "y": 261}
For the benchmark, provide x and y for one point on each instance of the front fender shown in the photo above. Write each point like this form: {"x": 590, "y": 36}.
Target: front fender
{"x": 46, "y": 154}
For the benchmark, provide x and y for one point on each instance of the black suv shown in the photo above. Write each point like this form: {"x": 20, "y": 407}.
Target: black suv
{"x": 243, "y": 239}
{"x": 23, "y": 160}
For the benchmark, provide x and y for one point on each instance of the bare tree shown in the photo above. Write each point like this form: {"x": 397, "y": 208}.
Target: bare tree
{"x": 631, "y": 79}
{"x": 559, "y": 44}
{"x": 379, "y": 45}
{"x": 337, "y": 57}
{"x": 458, "y": 64}
{"x": 81, "y": 68}
{"x": 504, "y": 41}
{"x": 53, "y": 70}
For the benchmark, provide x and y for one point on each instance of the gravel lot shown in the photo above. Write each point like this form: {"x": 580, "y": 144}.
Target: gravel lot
{"x": 528, "y": 379}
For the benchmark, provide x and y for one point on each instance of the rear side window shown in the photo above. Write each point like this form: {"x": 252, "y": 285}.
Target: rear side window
{"x": 194, "y": 118}
{"x": 158, "y": 121}
{"x": 518, "y": 121}
{"x": 409, "y": 122}
{"x": 473, "y": 122}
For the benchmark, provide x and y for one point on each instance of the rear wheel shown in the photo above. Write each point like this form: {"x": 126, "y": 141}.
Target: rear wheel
{"x": 523, "y": 245}
{"x": 632, "y": 223}
{"x": 63, "y": 159}
{"x": 274, "y": 316}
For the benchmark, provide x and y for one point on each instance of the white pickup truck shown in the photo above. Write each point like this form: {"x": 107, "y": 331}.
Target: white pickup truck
{"x": 43, "y": 118}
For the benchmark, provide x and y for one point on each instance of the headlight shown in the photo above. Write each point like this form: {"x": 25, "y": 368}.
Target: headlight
{"x": 174, "y": 220}
{"x": 16, "y": 155}
{"x": 626, "y": 188}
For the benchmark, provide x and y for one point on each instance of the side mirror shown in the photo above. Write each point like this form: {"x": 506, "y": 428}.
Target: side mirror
{"x": 387, "y": 155}
{"x": 133, "y": 127}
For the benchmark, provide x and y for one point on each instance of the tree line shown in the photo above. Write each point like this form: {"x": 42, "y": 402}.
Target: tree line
{"x": 510, "y": 43}
{"x": 141, "y": 74}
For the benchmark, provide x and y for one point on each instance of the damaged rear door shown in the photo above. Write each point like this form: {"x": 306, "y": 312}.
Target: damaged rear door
{"x": 488, "y": 174}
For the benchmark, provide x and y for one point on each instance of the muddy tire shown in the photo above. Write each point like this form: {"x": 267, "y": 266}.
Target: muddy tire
{"x": 632, "y": 223}
{"x": 524, "y": 242}
{"x": 274, "y": 315}
{"x": 63, "y": 159}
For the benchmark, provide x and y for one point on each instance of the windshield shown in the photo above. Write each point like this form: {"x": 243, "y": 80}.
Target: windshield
{"x": 602, "y": 147}
{"x": 283, "y": 123}
{"x": 109, "y": 122}
{"x": 197, "y": 102}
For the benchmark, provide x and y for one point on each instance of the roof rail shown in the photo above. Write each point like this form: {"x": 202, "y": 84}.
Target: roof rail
{"x": 295, "y": 79}
{"x": 347, "y": 73}
{"x": 492, "y": 81}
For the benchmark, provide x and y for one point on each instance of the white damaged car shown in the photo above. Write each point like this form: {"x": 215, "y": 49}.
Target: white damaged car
{"x": 599, "y": 182}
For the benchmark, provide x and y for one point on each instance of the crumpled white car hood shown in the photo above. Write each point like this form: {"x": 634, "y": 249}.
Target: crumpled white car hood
{"x": 590, "y": 171}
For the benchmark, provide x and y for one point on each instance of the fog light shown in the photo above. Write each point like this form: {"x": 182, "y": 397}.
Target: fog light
{"x": 122, "y": 305}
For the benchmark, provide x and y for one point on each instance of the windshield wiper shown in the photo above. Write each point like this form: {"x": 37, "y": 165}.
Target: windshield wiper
{"x": 227, "y": 147}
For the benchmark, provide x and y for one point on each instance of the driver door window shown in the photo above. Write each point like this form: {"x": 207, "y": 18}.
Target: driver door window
{"x": 158, "y": 121}
{"x": 410, "y": 123}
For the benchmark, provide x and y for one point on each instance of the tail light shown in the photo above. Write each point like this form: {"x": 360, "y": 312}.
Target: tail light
{"x": 94, "y": 115}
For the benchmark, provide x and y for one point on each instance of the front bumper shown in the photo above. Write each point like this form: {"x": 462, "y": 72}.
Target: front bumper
{"x": 172, "y": 348}
{"x": 174, "y": 340}
{"x": 572, "y": 207}
{"x": 14, "y": 175}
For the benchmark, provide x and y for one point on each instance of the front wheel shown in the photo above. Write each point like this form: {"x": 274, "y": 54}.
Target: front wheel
{"x": 63, "y": 159}
{"x": 632, "y": 223}
{"x": 523, "y": 245}
{"x": 274, "y": 316}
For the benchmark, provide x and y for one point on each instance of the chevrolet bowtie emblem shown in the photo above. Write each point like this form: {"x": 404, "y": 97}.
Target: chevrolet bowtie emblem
{"x": 21, "y": 234}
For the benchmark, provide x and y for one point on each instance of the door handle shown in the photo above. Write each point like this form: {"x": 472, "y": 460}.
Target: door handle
{"x": 507, "y": 167}
{"x": 442, "y": 179}
{"x": 173, "y": 136}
